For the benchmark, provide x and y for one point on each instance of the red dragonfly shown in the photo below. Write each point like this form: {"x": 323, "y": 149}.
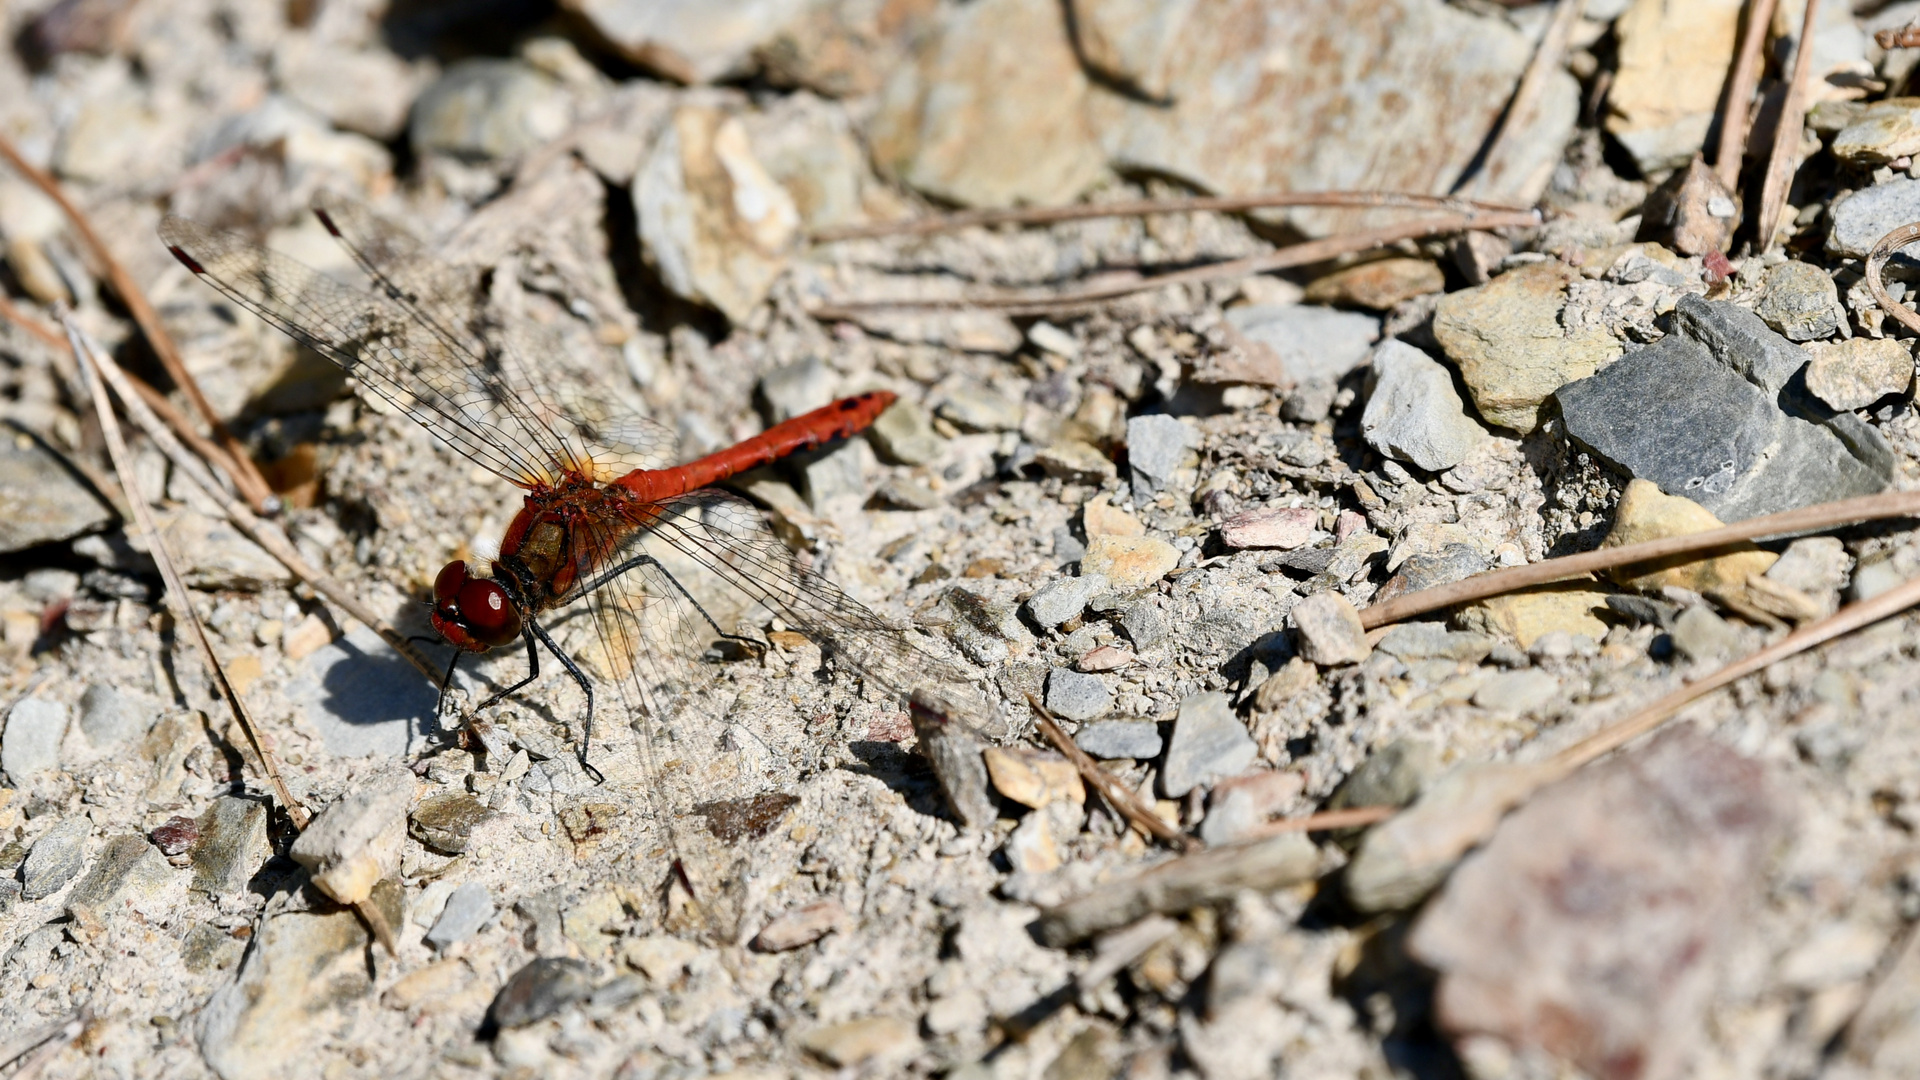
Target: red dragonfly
{"x": 594, "y": 526}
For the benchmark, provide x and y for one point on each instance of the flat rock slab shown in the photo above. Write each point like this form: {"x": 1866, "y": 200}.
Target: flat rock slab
{"x": 1591, "y": 926}
{"x": 43, "y": 498}
{"x": 1414, "y": 414}
{"x": 1208, "y": 743}
{"x": 1861, "y": 219}
{"x": 1675, "y": 414}
{"x": 1306, "y": 342}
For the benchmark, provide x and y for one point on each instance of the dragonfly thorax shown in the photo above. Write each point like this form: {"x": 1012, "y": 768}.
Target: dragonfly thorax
{"x": 473, "y": 613}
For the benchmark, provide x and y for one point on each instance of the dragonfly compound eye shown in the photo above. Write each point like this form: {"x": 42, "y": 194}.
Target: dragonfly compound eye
{"x": 446, "y": 587}
{"x": 487, "y": 613}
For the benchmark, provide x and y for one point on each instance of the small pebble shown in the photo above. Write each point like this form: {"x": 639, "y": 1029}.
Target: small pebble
{"x": 357, "y": 840}
{"x": 800, "y": 926}
{"x": 1101, "y": 518}
{"x": 857, "y": 1041}
{"x": 1030, "y": 848}
{"x": 176, "y": 835}
{"x": 1158, "y": 446}
{"x": 1065, "y": 598}
{"x": 231, "y": 846}
{"x": 446, "y": 822}
{"x": 1208, "y": 743}
{"x": 1237, "y": 808}
{"x": 1047, "y": 336}
{"x": 1517, "y": 692}
{"x": 1855, "y": 373}
{"x": 1077, "y": 696}
{"x": 31, "y": 742}
{"x": 109, "y": 717}
{"x": 1704, "y": 636}
{"x": 1275, "y": 527}
{"x": 976, "y": 408}
{"x": 1105, "y": 658}
{"x": 538, "y": 990}
{"x": 55, "y": 858}
{"x": 1144, "y": 625}
{"x": 904, "y": 435}
{"x": 1076, "y": 462}
{"x": 1330, "y": 630}
{"x": 1033, "y": 778}
{"x": 1111, "y": 739}
{"x": 1131, "y": 563}
{"x": 467, "y": 909}
{"x": 1799, "y": 301}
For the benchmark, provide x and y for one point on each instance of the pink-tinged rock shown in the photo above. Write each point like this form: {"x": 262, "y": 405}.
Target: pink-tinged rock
{"x": 1593, "y": 924}
{"x": 1105, "y": 658}
{"x": 1279, "y": 527}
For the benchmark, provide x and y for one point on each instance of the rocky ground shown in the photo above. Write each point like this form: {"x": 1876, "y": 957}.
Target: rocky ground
{"x": 1159, "y": 514}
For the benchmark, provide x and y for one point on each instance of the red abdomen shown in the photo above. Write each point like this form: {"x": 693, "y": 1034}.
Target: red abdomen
{"x": 843, "y": 418}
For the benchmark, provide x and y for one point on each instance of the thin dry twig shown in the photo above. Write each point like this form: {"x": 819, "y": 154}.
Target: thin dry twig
{"x": 1325, "y": 819}
{"x": 1737, "y": 104}
{"x": 1305, "y": 254}
{"x": 1108, "y": 785}
{"x": 1892, "y": 504}
{"x": 1883, "y": 250}
{"x": 182, "y": 601}
{"x": 1227, "y": 204}
{"x": 1845, "y": 621}
{"x": 1518, "y": 116}
{"x": 260, "y": 532}
{"x": 1785, "y": 156}
{"x": 246, "y": 475}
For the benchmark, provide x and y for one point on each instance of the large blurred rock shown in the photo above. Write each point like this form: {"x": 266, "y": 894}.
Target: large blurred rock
{"x": 1311, "y": 95}
{"x": 842, "y": 48}
{"x": 691, "y": 41}
{"x": 485, "y": 109}
{"x": 1673, "y": 60}
{"x": 363, "y": 90}
{"x": 1131, "y": 42}
{"x": 712, "y": 221}
{"x": 808, "y": 145}
{"x": 41, "y": 497}
{"x": 993, "y": 111}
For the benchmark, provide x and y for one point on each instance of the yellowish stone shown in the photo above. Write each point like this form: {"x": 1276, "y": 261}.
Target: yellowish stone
{"x": 1526, "y": 616}
{"x": 1131, "y": 563}
{"x": 1647, "y": 513}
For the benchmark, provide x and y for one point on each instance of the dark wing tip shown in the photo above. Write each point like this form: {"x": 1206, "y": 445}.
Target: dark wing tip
{"x": 326, "y": 219}
{"x": 186, "y": 260}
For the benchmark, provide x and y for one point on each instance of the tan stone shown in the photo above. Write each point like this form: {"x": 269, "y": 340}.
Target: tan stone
{"x": 1033, "y": 778}
{"x": 1101, "y": 518}
{"x": 1131, "y": 563}
{"x": 1379, "y": 284}
{"x": 1508, "y": 342}
{"x": 1526, "y": 616}
{"x": 1673, "y": 62}
{"x": 1857, "y": 372}
{"x": 993, "y": 110}
{"x": 1647, "y": 513}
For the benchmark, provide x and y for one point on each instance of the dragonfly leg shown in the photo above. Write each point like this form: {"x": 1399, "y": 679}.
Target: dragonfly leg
{"x": 533, "y": 669}
{"x": 534, "y": 629}
{"x": 752, "y": 646}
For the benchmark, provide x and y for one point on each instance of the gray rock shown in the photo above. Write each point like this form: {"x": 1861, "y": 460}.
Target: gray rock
{"x": 1799, "y": 300}
{"x": 1330, "y": 630}
{"x": 43, "y": 499}
{"x": 1158, "y": 447}
{"x": 1208, "y": 743}
{"x": 302, "y": 968}
{"x": 1310, "y": 401}
{"x": 446, "y": 822}
{"x": 109, "y": 717}
{"x": 1705, "y": 637}
{"x": 1716, "y": 437}
{"x": 31, "y": 743}
{"x": 977, "y": 408}
{"x": 1393, "y": 775}
{"x": 488, "y": 109}
{"x": 1433, "y": 641}
{"x": 689, "y": 41}
{"x": 1861, "y": 219}
{"x": 49, "y": 585}
{"x": 362, "y": 697}
{"x": 1111, "y": 739}
{"x": 129, "y": 872}
{"x": 468, "y": 909}
{"x": 1815, "y": 565}
{"x": 947, "y": 740}
{"x": 231, "y": 847}
{"x": 797, "y": 388}
{"x": 538, "y": 990}
{"x": 1740, "y": 341}
{"x": 1314, "y": 344}
{"x": 1076, "y": 461}
{"x": 1517, "y": 692}
{"x": 982, "y": 628}
{"x": 1415, "y": 414}
{"x": 835, "y": 476}
{"x": 1857, "y": 372}
{"x": 1045, "y": 335}
{"x": 904, "y": 435}
{"x": 209, "y": 948}
{"x": 55, "y": 859}
{"x": 1064, "y": 598}
{"x": 1077, "y": 696}
{"x": 1143, "y": 624}
{"x": 355, "y": 842}
{"x": 363, "y": 90}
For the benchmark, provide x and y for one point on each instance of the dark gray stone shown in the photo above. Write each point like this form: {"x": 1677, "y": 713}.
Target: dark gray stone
{"x": 1144, "y": 625}
{"x": 1433, "y": 641}
{"x": 1063, "y": 599}
{"x": 947, "y": 741}
{"x": 1392, "y": 776}
{"x": 1304, "y": 560}
{"x": 231, "y": 847}
{"x": 981, "y": 628}
{"x": 1454, "y": 562}
{"x": 44, "y": 498}
{"x": 538, "y": 990}
{"x": 1077, "y": 696}
{"x": 55, "y": 859}
{"x": 1680, "y": 414}
{"x": 445, "y": 823}
{"x": 1643, "y": 609}
{"x": 1208, "y": 743}
{"x": 468, "y": 909}
{"x": 1111, "y": 739}
{"x": 129, "y": 870}
{"x": 1157, "y": 446}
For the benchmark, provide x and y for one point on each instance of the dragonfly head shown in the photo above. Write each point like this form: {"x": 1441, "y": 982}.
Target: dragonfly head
{"x": 473, "y": 613}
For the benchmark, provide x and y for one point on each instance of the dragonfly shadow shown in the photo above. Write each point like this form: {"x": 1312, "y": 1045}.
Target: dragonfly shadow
{"x": 364, "y": 698}
{"x": 907, "y": 775}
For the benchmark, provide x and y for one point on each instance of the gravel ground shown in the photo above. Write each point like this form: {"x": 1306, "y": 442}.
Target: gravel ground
{"x": 1157, "y": 514}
